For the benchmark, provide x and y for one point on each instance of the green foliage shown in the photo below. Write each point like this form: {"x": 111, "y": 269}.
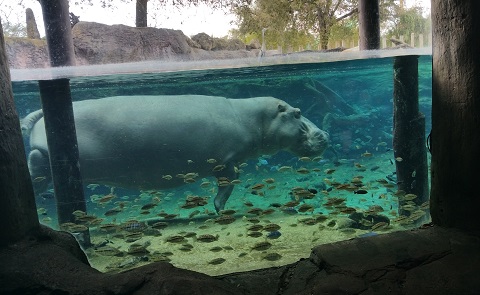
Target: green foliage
{"x": 12, "y": 27}
{"x": 294, "y": 22}
{"x": 14, "y": 30}
{"x": 403, "y": 22}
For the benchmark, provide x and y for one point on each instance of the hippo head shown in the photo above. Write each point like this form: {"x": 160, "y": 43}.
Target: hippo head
{"x": 295, "y": 133}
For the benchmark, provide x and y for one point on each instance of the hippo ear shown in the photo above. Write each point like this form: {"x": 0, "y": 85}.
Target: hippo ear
{"x": 281, "y": 108}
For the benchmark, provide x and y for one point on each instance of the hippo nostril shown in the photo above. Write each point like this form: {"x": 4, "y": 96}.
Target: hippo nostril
{"x": 297, "y": 114}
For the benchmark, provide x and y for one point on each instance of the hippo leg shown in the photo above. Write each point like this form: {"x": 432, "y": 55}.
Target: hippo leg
{"x": 39, "y": 166}
{"x": 224, "y": 192}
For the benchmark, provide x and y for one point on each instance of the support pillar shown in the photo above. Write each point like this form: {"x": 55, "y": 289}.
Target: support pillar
{"x": 409, "y": 141}
{"x": 455, "y": 138}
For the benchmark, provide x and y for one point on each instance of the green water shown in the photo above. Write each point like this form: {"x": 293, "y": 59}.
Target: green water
{"x": 363, "y": 153}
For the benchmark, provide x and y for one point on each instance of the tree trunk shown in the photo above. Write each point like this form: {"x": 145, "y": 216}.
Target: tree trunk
{"x": 369, "y": 24}
{"x": 18, "y": 213}
{"x": 455, "y": 137}
{"x": 58, "y": 32}
{"x": 141, "y": 14}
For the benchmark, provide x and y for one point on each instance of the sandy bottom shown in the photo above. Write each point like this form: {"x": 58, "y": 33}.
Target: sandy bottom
{"x": 296, "y": 242}
{"x": 234, "y": 249}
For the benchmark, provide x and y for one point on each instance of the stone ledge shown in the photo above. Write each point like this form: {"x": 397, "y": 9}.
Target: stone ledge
{"x": 427, "y": 261}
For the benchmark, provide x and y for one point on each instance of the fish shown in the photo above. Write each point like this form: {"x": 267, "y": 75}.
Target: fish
{"x": 39, "y": 179}
{"x": 258, "y": 186}
{"x": 360, "y": 192}
{"x": 367, "y": 154}
{"x": 274, "y": 234}
{"x": 218, "y": 168}
{"x": 285, "y": 168}
{"x": 305, "y": 159}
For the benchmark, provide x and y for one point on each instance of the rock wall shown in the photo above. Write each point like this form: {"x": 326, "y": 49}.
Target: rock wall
{"x": 97, "y": 43}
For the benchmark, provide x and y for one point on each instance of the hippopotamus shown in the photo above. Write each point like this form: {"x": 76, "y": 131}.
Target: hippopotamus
{"x": 152, "y": 142}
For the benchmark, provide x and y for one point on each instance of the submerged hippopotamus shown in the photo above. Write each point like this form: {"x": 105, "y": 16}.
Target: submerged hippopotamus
{"x": 144, "y": 142}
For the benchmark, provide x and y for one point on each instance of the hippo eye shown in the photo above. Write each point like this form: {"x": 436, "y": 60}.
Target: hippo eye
{"x": 282, "y": 108}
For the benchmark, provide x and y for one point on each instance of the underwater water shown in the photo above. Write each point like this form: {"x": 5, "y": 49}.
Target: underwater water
{"x": 282, "y": 205}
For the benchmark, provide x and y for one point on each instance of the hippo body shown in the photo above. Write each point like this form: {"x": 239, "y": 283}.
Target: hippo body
{"x": 140, "y": 141}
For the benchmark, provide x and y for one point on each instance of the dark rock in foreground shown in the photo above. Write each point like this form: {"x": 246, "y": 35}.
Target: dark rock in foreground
{"x": 428, "y": 261}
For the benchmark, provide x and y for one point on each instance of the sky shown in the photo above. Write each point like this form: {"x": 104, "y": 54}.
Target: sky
{"x": 191, "y": 20}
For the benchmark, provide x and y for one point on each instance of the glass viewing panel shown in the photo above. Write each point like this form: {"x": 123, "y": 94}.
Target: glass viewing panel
{"x": 282, "y": 204}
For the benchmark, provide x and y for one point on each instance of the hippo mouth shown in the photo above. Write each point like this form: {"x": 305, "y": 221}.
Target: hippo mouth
{"x": 314, "y": 141}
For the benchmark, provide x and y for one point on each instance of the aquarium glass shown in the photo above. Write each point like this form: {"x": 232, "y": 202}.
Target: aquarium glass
{"x": 282, "y": 204}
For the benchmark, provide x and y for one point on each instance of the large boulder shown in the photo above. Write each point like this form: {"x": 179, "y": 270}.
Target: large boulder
{"x": 25, "y": 53}
{"x": 208, "y": 43}
{"x": 99, "y": 44}
{"x": 204, "y": 41}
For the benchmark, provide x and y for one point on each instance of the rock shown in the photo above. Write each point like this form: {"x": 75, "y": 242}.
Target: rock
{"x": 51, "y": 262}
{"x": 100, "y": 44}
{"x": 205, "y": 41}
{"x": 215, "y": 44}
{"x": 254, "y": 44}
{"x": 96, "y": 43}
{"x": 32, "y": 30}
{"x": 27, "y": 53}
